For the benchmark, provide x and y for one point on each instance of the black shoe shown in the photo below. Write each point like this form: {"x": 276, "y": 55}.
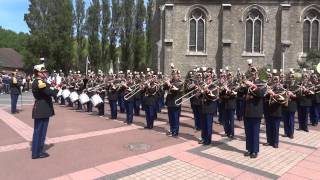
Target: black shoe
{"x": 284, "y": 135}
{"x": 247, "y": 153}
{"x": 206, "y": 144}
{"x": 299, "y": 129}
{"x": 146, "y": 127}
{"x": 231, "y": 136}
{"x": 42, "y": 155}
{"x": 291, "y": 136}
{"x": 201, "y": 142}
{"x": 276, "y": 146}
{"x": 254, "y": 155}
{"x": 266, "y": 144}
{"x": 306, "y": 130}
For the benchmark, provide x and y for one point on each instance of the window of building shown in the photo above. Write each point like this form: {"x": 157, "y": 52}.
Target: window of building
{"x": 254, "y": 32}
{"x": 311, "y": 31}
{"x": 197, "y": 34}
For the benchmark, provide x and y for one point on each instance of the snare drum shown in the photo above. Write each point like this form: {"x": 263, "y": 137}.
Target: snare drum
{"x": 96, "y": 100}
{"x": 66, "y": 93}
{"x": 74, "y": 96}
{"x": 84, "y": 98}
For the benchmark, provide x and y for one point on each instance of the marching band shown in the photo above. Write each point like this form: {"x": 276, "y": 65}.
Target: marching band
{"x": 243, "y": 96}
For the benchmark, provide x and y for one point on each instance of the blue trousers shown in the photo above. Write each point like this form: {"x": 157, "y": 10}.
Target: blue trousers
{"x": 229, "y": 122}
{"x": 101, "y": 109}
{"x": 288, "y": 121}
{"x": 196, "y": 115}
{"x": 129, "y": 111}
{"x": 137, "y": 104}
{"x": 174, "y": 118}
{"x": 314, "y": 115}
{"x": 240, "y": 109}
{"x": 79, "y": 105}
{"x": 14, "y": 100}
{"x": 113, "y": 108}
{"x": 206, "y": 128}
{"x": 89, "y": 106}
{"x": 303, "y": 112}
{"x": 252, "y": 131}
{"x": 150, "y": 112}
{"x": 39, "y": 136}
{"x": 62, "y": 101}
{"x": 121, "y": 104}
{"x": 273, "y": 130}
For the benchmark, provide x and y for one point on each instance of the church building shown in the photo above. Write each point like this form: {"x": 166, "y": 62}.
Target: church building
{"x": 220, "y": 33}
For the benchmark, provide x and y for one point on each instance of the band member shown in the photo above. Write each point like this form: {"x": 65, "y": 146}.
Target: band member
{"x": 290, "y": 110}
{"x": 222, "y": 81}
{"x": 253, "y": 113}
{"x": 195, "y": 101}
{"x": 208, "y": 104}
{"x": 304, "y": 102}
{"x": 275, "y": 113}
{"x": 314, "y": 114}
{"x": 42, "y": 110}
{"x": 138, "y": 95}
{"x": 175, "y": 89}
{"x": 113, "y": 97}
{"x": 129, "y": 102}
{"x": 240, "y": 96}
{"x": 121, "y": 93}
{"x": 149, "y": 101}
{"x": 15, "y": 91}
{"x": 228, "y": 98}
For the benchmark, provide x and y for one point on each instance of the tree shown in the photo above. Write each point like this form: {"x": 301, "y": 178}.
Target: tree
{"x": 60, "y": 28}
{"x": 313, "y": 59}
{"x": 51, "y": 31}
{"x": 105, "y": 34}
{"x": 114, "y": 30}
{"x": 79, "y": 21}
{"x": 93, "y": 26}
{"x": 139, "y": 36}
{"x": 127, "y": 8}
{"x": 149, "y": 49}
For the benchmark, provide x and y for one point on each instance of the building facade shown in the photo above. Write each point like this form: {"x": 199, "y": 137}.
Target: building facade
{"x": 220, "y": 33}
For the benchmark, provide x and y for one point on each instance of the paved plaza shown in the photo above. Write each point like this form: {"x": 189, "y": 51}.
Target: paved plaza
{"x": 87, "y": 146}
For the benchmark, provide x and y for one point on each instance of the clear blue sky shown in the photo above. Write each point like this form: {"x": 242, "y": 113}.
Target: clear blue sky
{"x": 12, "y": 14}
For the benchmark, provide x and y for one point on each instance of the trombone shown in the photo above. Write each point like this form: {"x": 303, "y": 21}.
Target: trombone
{"x": 186, "y": 97}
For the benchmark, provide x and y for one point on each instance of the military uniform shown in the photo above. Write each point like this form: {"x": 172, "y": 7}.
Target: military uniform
{"x": 289, "y": 113}
{"x": 15, "y": 91}
{"x": 41, "y": 112}
{"x": 208, "y": 109}
{"x": 304, "y": 104}
{"x": 229, "y": 101}
{"x": 174, "y": 110}
{"x": 113, "y": 97}
{"x": 150, "y": 102}
{"x": 252, "y": 121}
{"x": 129, "y": 103}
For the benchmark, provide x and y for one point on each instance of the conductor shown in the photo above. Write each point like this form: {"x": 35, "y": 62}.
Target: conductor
{"x": 42, "y": 110}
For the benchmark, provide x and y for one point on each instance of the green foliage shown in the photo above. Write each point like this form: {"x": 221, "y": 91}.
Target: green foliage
{"x": 149, "y": 45}
{"x": 127, "y": 30}
{"x": 93, "y": 28}
{"x": 105, "y": 60}
{"x": 263, "y": 72}
{"x": 79, "y": 23}
{"x": 313, "y": 59}
{"x": 51, "y": 32}
{"x": 139, "y": 44}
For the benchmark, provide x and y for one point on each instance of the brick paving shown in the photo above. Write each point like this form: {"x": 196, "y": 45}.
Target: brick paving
{"x": 84, "y": 146}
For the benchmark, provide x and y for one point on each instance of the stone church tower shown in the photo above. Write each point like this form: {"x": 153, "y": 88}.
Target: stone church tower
{"x": 220, "y": 33}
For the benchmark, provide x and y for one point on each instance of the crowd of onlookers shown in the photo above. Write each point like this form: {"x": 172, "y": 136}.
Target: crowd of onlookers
{"x": 23, "y": 80}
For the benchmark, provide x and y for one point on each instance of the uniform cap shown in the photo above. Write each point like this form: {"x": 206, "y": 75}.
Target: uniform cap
{"x": 39, "y": 68}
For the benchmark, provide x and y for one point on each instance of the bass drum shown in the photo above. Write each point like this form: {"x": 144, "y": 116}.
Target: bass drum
{"x": 59, "y": 93}
{"x": 96, "y": 100}
{"x": 66, "y": 93}
{"x": 84, "y": 98}
{"x": 74, "y": 96}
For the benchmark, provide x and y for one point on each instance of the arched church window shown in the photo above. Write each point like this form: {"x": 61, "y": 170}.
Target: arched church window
{"x": 197, "y": 34}
{"x": 311, "y": 30}
{"x": 254, "y": 31}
